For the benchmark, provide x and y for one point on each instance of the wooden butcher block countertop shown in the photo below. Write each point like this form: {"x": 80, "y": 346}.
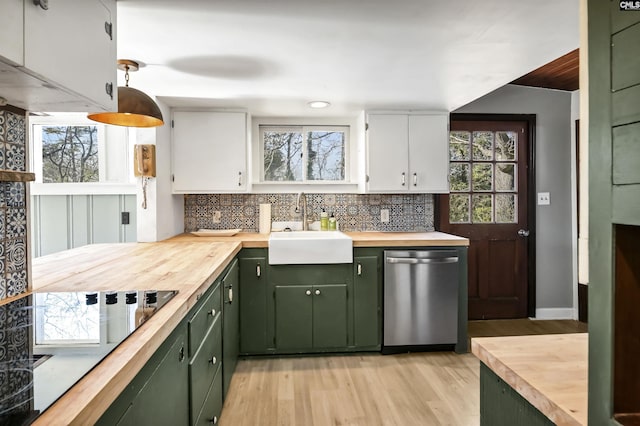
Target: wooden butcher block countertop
{"x": 185, "y": 263}
{"x": 549, "y": 371}
{"x": 360, "y": 239}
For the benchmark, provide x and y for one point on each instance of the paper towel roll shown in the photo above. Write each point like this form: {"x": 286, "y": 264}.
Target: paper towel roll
{"x": 265, "y": 218}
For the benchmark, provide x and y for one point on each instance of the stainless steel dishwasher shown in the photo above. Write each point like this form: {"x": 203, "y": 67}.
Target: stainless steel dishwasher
{"x": 420, "y": 299}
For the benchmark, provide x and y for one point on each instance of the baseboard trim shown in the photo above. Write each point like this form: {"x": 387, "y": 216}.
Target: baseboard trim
{"x": 555, "y": 313}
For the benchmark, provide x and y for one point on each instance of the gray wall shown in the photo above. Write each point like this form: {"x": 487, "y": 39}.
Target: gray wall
{"x": 61, "y": 222}
{"x": 554, "y": 251}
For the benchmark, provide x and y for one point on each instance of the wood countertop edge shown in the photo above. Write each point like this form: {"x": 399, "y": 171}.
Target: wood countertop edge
{"x": 556, "y": 413}
{"x": 93, "y": 394}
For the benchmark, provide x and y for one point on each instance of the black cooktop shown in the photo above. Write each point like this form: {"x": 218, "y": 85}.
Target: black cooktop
{"x": 48, "y": 341}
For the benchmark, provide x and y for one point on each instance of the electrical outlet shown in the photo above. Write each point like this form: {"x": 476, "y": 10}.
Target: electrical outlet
{"x": 124, "y": 218}
{"x": 544, "y": 199}
{"x": 384, "y": 215}
{"x": 217, "y": 216}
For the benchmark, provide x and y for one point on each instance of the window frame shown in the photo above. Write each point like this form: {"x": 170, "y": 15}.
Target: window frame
{"x": 304, "y": 129}
{"x": 124, "y": 185}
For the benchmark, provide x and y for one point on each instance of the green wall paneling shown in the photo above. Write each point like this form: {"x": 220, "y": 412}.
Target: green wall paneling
{"x": 501, "y": 405}
{"x": 625, "y": 107}
{"x": 626, "y": 205}
{"x": 621, "y": 19}
{"x": 626, "y": 154}
{"x": 625, "y": 61}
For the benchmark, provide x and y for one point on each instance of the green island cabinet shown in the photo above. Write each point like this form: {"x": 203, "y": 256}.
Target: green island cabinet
{"x": 309, "y": 308}
{"x": 185, "y": 381}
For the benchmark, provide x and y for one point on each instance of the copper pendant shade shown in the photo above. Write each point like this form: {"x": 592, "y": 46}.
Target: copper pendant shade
{"x": 135, "y": 108}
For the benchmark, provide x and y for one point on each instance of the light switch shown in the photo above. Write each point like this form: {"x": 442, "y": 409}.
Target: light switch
{"x": 544, "y": 199}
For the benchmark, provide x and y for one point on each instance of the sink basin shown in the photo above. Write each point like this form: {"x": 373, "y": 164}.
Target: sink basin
{"x": 309, "y": 247}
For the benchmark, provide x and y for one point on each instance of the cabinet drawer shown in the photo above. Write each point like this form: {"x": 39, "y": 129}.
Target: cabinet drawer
{"x": 203, "y": 318}
{"x": 212, "y": 408}
{"x": 204, "y": 366}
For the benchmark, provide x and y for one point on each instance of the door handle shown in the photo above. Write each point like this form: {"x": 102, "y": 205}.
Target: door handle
{"x": 416, "y": 261}
{"x": 308, "y": 292}
{"x": 317, "y": 292}
{"x": 415, "y": 179}
{"x": 403, "y": 178}
{"x": 359, "y": 269}
{"x": 523, "y": 232}
{"x": 239, "y": 178}
{"x": 258, "y": 270}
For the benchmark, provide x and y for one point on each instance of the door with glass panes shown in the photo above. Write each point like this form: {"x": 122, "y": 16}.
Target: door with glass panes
{"x": 488, "y": 204}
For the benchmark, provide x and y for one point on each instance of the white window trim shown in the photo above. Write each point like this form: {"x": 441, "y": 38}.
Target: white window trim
{"x": 349, "y": 185}
{"x": 75, "y": 188}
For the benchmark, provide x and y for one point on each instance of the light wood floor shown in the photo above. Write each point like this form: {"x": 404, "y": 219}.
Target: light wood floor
{"x": 437, "y": 388}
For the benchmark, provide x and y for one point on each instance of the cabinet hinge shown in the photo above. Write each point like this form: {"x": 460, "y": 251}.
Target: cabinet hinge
{"x": 108, "y": 28}
{"x": 366, "y": 126}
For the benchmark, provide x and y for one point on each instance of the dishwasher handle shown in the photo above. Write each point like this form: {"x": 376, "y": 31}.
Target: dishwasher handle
{"x": 416, "y": 261}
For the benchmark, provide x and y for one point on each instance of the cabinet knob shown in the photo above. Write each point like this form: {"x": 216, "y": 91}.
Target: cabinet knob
{"x": 308, "y": 292}
{"x": 317, "y": 292}
{"x": 213, "y": 360}
{"x": 44, "y": 4}
{"x": 404, "y": 180}
{"x": 212, "y": 312}
{"x": 214, "y": 420}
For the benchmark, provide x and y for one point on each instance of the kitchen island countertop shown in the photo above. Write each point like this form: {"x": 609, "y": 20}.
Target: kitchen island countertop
{"x": 185, "y": 263}
{"x": 549, "y": 371}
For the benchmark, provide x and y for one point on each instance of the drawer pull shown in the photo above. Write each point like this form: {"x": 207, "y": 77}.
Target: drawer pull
{"x": 181, "y": 354}
{"x": 403, "y": 178}
{"x": 214, "y": 420}
{"x": 359, "y": 269}
{"x": 258, "y": 272}
{"x": 230, "y": 295}
{"x": 213, "y": 360}
{"x": 317, "y": 292}
{"x": 212, "y": 312}
{"x": 308, "y": 292}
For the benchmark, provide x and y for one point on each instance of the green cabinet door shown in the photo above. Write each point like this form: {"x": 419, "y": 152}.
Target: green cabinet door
{"x": 253, "y": 304}
{"x": 366, "y": 302}
{"x": 164, "y": 398}
{"x": 230, "y": 325}
{"x": 329, "y": 316}
{"x": 294, "y": 316}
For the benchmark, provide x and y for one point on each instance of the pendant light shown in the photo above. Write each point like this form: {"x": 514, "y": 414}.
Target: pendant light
{"x": 135, "y": 108}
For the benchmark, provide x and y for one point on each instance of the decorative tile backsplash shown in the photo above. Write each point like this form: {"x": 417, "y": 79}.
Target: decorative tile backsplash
{"x": 354, "y": 212}
{"x": 13, "y": 208}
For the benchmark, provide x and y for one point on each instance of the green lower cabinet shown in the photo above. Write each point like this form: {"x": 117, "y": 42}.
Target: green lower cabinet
{"x": 329, "y": 316}
{"x": 294, "y": 317}
{"x": 212, "y": 407}
{"x": 254, "y": 293}
{"x": 231, "y": 325}
{"x": 367, "y": 292}
{"x": 311, "y": 317}
{"x": 501, "y": 405}
{"x": 159, "y": 394}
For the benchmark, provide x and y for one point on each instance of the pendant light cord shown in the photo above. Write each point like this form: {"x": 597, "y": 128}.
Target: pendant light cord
{"x": 126, "y": 75}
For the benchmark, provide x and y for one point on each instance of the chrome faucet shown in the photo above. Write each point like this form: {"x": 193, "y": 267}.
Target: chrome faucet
{"x": 304, "y": 209}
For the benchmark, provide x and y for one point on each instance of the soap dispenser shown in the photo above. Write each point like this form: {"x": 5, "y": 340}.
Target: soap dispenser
{"x": 324, "y": 221}
{"x": 332, "y": 223}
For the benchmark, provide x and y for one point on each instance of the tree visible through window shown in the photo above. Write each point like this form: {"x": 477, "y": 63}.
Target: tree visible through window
{"x": 70, "y": 154}
{"x": 297, "y": 154}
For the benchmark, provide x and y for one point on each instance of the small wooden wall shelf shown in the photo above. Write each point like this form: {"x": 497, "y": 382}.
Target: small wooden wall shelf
{"x": 13, "y": 176}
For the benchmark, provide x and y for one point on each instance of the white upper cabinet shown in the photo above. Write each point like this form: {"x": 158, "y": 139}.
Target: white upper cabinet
{"x": 72, "y": 44}
{"x": 209, "y": 151}
{"x": 11, "y": 32}
{"x": 60, "y": 56}
{"x": 407, "y": 152}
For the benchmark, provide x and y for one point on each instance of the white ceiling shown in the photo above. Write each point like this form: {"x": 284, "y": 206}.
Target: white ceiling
{"x": 273, "y": 56}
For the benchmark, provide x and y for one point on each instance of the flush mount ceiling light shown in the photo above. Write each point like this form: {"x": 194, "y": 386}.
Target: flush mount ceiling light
{"x": 318, "y": 104}
{"x": 135, "y": 109}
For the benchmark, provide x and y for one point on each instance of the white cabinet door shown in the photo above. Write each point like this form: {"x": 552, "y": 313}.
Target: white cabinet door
{"x": 209, "y": 151}
{"x": 69, "y": 45}
{"x": 387, "y": 153}
{"x": 12, "y": 32}
{"x": 429, "y": 153}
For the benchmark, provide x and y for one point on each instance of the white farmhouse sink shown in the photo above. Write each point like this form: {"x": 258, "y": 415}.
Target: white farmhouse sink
{"x": 309, "y": 247}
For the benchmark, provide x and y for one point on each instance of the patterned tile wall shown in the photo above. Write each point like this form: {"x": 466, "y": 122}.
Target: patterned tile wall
{"x": 354, "y": 212}
{"x": 13, "y": 208}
